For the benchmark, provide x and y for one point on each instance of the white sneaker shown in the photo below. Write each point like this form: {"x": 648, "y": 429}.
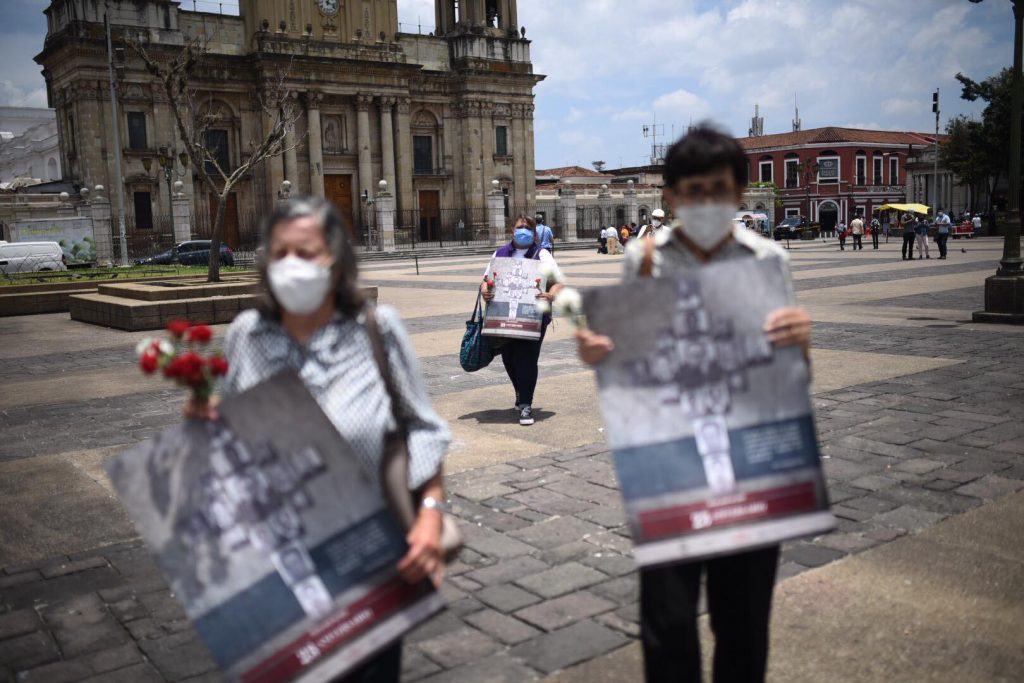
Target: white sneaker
{"x": 526, "y": 416}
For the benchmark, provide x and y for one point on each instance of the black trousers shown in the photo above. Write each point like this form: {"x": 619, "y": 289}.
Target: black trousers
{"x": 842, "y": 242}
{"x": 857, "y": 244}
{"x": 941, "y": 240}
{"x": 384, "y": 667}
{"x": 908, "y": 244}
{"x": 520, "y": 356}
{"x": 874, "y": 239}
{"x": 739, "y": 589}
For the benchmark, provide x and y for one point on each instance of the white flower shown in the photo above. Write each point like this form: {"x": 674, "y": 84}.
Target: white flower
{"x": 543, "y": 306}
{"x": 165, "y": 347}
{"x": 143, "y": 346}
{"x": 550, "y": 272}
{"x": 568, "y": 303}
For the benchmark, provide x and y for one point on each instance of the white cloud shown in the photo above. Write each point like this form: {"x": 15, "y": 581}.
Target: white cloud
{"x": 574, "y": 115}
{"x": 14, "y": 95}
{"x": 681, "y": 104}
{"x": 632, "y": 114}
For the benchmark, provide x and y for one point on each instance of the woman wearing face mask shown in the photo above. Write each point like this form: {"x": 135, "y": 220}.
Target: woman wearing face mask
{"x": 314, "y": 324}
{"x": 520, "y": 356}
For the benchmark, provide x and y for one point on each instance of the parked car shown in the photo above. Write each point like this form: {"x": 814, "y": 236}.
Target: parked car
{"x": 191, "y": 253}
{"x": 789, "y": 228}
{"x": 31, "y": 257}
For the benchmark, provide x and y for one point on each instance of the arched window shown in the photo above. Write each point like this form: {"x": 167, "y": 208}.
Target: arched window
{"x": 425, "y": 132}
{"x": 51, "y": 169}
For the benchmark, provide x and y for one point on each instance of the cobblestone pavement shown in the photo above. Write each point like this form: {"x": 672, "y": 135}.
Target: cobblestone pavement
{"x": 546, "y": 580}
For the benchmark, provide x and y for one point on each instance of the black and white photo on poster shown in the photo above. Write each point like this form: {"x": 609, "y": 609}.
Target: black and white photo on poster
{"x": 273, "y": 536}
{"x": 710, "y": 425}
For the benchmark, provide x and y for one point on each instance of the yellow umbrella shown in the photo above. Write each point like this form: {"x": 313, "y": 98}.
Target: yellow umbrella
{"x": 911, "y": 208}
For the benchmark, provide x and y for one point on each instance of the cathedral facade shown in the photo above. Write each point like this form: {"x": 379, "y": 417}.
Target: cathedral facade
{"x": 438, "y": 115}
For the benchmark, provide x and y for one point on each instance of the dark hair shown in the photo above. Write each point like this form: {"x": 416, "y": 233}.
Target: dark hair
{"x": 348, "y": 298}
{"x": 522, "y": 217}
{"x": 703, "y": 150}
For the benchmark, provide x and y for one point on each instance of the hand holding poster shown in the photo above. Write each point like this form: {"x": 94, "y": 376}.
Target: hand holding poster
{"x": 513, "y": 311}
{"x": 269, "y": 531}
{"x": 710, "y": 425}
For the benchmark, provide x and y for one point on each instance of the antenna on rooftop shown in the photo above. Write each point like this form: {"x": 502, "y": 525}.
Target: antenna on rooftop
{"x": 756, "y": 124}
{"x": 652, "y": 131}
{"x": 796, "y": 116}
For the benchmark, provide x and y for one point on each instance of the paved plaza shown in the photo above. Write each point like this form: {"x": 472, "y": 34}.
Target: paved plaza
{"x": 919, "y": 417}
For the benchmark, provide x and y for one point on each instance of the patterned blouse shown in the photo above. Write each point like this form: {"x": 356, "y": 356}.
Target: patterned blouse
{"x": 338, "y": 368}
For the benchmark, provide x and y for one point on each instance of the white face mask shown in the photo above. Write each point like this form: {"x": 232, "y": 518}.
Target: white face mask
{"x": 707, "y": 224}
{"x": 656, "y": 222}
{"x": 299, "y": 285}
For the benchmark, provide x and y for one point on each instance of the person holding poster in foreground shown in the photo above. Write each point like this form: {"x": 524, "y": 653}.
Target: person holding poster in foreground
{"x": 724, "y": 346}
{"x": 519, "y": 275}
{"x": 315, "y": 329}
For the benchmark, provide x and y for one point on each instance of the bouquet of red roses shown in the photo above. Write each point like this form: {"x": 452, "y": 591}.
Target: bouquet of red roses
{"x": 180, "y": 360}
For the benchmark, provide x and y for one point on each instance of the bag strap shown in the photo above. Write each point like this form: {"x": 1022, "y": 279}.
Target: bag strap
{"x": 380, "y": 356}
{"x": 647, "y": 264}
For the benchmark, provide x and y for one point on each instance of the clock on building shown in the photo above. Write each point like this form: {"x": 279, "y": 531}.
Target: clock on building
{"x": 328, "y": 7}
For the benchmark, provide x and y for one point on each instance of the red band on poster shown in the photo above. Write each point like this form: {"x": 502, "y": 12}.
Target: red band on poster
{"x": 312, "y": 646}
{"x": 723, "y": 511}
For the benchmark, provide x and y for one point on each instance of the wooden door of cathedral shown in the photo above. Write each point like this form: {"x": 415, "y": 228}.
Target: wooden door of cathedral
{"x": 430, "y": 215}
{"x": 338, "y": 190}
{"x": 230, "y": 234}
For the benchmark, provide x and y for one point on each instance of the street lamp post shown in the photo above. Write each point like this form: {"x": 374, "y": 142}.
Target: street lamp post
{"x": 1004, "y": 291}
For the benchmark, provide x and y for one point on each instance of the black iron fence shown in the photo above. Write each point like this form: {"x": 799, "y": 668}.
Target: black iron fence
{"x": 156, "y": 235}
{"x": 428, "y": 228}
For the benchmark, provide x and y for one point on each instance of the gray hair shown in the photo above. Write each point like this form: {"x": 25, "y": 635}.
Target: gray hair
{"x": 344, "y": 272}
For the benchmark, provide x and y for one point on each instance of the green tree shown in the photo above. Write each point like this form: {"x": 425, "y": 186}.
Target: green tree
{"x": 966, "y": 153}
{"x": 996, "y": 92}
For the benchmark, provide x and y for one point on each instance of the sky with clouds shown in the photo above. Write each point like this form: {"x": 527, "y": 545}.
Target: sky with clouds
{"x": 614, "y": 65}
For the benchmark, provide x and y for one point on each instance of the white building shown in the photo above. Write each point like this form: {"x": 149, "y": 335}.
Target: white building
{"x": 28, "y": 144}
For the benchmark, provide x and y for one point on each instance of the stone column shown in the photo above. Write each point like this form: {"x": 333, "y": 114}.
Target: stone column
{"x": 385, "y": 206}
{"x": 631, "y": 204}
{"x": 275, "y": 164}
{"x": 475, "y": 183}
{"x": 291, "y": 161}
{"x": 181, "y": 216}
{"x": 518, "y": 151}
{"x": 363, "y": 144}
{"x": 387, "y": 142}
{"x": 604, "y": 201}
{"x": 531, "y": 180}
{"x": 567, "y": 211}
{"x": 487, "y": 143}
{"x": 403, "y": 147}
{"x": 101, "y": 232}
{"x": 316, "y": 149}
{"x": 496, "y": 213}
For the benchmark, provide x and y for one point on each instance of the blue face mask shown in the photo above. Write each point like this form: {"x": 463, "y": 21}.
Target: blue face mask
{"x": 523, "y": 237}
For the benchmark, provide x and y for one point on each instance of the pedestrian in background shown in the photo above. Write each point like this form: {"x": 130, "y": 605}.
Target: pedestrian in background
{"x": 545, "y": 237}
{"x": 656, "y": 226}
{"x": 875, "y": 225}
{"x": 520, "y": 356}
{"x": 841, "y": 232}
{"x": 603, "y": 239}
{"x": 921, "y": 231}
{"x": 885, "y": 227}
{"x": 624, "y": 235}
{"x": 908, "y": 236}
{"x": 942, "y": 224}
{"x": 857, "y": 230}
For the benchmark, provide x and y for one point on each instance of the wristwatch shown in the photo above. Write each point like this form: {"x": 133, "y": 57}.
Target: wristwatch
{"x": 432, "y": 503}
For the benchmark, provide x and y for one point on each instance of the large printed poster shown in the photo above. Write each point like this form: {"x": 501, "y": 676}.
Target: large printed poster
{"x": 710, "y": 425}
{"x": 74, "y": 235}
{"x": 271, "y": 534}
{"x": 513, "y": 310}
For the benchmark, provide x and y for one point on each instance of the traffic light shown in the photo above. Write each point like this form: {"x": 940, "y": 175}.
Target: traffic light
{"x": 935, "y": 102}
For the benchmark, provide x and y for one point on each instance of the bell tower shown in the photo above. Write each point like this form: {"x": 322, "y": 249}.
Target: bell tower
{"x": 497, "y": 17}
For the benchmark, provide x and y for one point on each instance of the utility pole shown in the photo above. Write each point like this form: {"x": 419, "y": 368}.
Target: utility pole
{"x": 652, "y": 131}
{"x": 935, "y": 162}
{"x": 116, "y": 126}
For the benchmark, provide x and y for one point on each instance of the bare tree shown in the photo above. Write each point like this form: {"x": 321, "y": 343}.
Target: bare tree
{"x": 193, "y": 116}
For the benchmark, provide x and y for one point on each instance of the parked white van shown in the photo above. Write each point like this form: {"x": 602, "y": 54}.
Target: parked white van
{"x": 30, "y": 257}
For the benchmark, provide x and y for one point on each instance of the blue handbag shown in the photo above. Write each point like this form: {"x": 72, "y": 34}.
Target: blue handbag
{"x": 476, "y": 351}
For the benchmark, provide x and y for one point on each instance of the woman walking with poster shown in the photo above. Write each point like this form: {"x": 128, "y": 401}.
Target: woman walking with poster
{"x": 513, "y": 323}
{"x": 705, "y": 174}
{"x": 359, "y": 365}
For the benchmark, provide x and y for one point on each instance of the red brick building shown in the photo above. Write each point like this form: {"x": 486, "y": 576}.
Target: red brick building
{"x": 831, "y": 174}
